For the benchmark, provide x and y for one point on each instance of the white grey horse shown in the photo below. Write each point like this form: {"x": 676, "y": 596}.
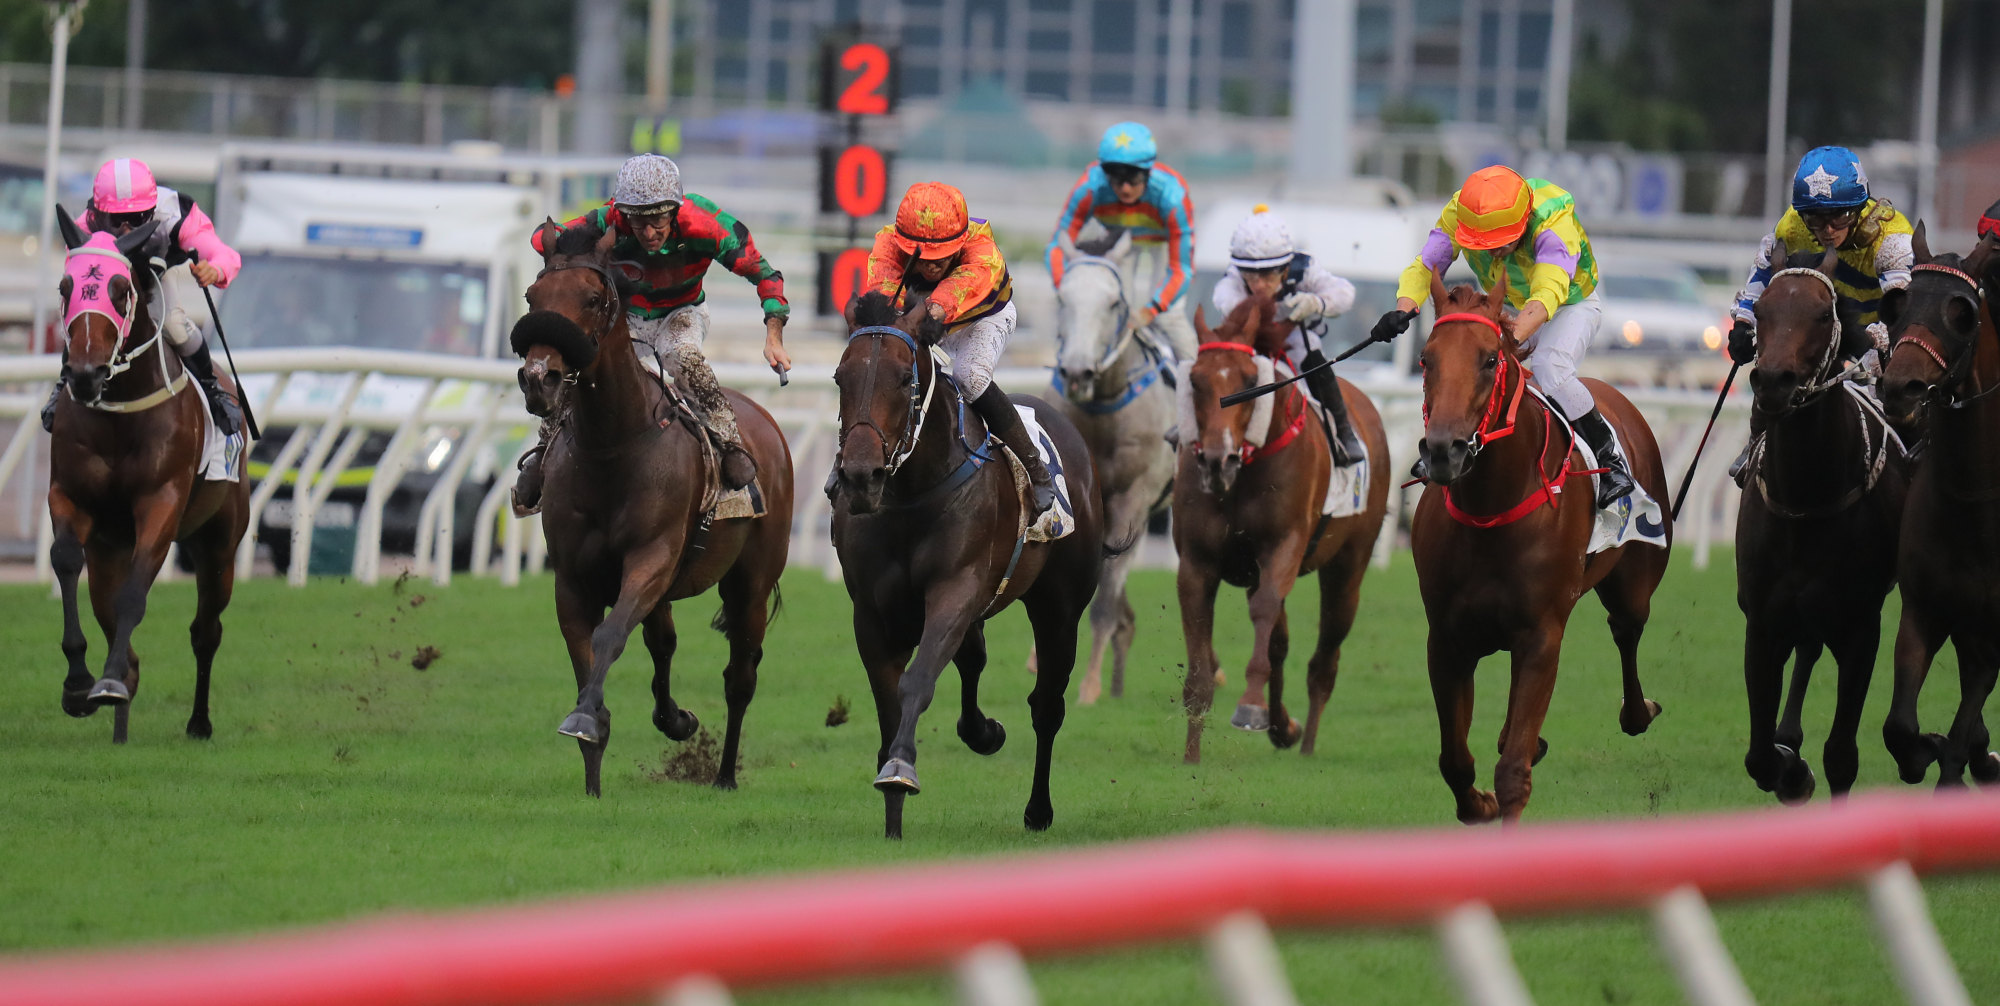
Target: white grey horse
{"x": 1112, "y": 383}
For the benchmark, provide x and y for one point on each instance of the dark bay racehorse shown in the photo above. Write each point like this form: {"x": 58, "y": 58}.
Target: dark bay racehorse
{"x": 626, "y": 503}
{"x": 927, "y": 522}
{"x": 124, "y": 481}
{"x": 1500, "y": 545}
{"x": 1944, "y": 370}
{"x": 1815, "y": 530}
{"x": 1251, "y": 516}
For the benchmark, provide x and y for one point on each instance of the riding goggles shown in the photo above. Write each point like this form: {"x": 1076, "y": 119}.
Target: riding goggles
{"x": 1831, "y": 220}
{"x": 1126, "y": 174}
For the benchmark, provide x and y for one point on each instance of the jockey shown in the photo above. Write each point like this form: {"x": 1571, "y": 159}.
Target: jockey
{"x": 1830, "y": 208}
{"x": 1263, "y": 260}
{"x": 122, "y": 199}
{"x": 666, "y": 240}
{"x": 1526, "y": 231}
{"x": 937, "y": 252}
{"x": 1126, "y": 188}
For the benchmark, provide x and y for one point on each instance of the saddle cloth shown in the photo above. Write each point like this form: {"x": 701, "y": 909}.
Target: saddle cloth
{"x": 730, "y": 504}
{"x": 1346, "y": 488}
{"x": 221, "y": 456}
{"x": 1634, "y": 517}
{"x": 1059, "y": 520}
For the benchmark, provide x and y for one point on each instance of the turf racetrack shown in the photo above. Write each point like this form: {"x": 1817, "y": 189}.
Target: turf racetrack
{"x": 343, "y": 782}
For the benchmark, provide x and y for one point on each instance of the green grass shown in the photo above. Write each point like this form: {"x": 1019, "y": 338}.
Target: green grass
{"x": 343, "y": 782}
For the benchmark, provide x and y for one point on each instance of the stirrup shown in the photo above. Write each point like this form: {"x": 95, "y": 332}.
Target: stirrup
{"x": 1616, "y": 484}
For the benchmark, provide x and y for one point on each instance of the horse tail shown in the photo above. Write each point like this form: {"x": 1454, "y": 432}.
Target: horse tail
{"x": 720, "y": 622}
{"x": 1113, "y": 550}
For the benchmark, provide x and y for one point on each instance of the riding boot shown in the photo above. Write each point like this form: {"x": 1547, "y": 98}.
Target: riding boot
{"x": 697, "y": 381}
{"x": 221, "y": 404}
{"x": 1739, "y": 469}
{"x": 528, "y": 484}
{"x": 1325, "y": 388}
{"x": 1002, "y": 421}
{"x": 55, "y": 395}
{"x": 1616, "y": 481}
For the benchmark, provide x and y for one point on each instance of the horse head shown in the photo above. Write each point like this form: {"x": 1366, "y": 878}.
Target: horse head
{"x": 1467, "y": 362}
{"x": 576, "y": 302}
{"x": 1092, "y": 313}
{"x": 103, "y": 304}
{"x": 886, "y": 376}
{"x": 1935, "y": 326}
{"x": 1227, "y": 363}
{"x": 1800, "y": 333}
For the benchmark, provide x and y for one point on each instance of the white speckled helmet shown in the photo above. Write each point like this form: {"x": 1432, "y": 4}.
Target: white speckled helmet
{"x": 647, "y": 183}
{"x": 1261, "y": 241}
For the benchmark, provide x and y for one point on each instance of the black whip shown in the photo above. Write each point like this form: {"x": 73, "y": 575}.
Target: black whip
{"x": 1688, "y": 479}
{"x": 1236, "y": 398}
{"x": 214, "y": 316}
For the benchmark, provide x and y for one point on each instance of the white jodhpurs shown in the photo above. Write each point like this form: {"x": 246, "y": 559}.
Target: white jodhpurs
{"x": 184, "y": 311}
{"x": 1558, "y": 347}
{"x": 975, "y": 350}
{"x": 675, "y": 341}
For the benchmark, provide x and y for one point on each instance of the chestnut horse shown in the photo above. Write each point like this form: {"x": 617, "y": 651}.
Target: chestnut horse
{"x": 927, "y": 521}
{"x": 625, "y": 508}
{"x": 1500, "y": 539}
{"x": 1251, "y": 516}
{"x": 1944, "y": 369}
{"x": 1816, "y": 530}
{"x": 124, "y": 478}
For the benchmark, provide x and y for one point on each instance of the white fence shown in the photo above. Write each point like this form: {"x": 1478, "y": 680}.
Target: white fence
{"x": 469, "y": 413}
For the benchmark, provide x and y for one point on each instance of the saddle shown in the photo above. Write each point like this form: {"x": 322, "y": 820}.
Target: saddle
{"x": 717, "y": 503}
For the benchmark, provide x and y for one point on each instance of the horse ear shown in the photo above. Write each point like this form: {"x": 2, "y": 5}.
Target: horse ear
{"x": 1438, "y": 293}
{"x": 1920, "y": 245}
{"x": 72, "y": 235}
{"x": 120, "y": 288}
{"x": 1201, "y": 325}
{"x": 137, "y": 239}
{"x": 1829, "y": 262}
{"x": 605, "y": 243}
{"x": 547, "y": 234}
{"x": 1496, "y": 298}
{"x": 1892, "y": 305}
{"x": 847, "y": 312}
{"x": 1120, "y": 247}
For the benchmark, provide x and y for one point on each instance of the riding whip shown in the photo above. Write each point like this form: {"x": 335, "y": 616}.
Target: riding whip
{"x": 1265, "y": 389}
{"x": 249, "y": 417}
{"x": 1688, "y": 479}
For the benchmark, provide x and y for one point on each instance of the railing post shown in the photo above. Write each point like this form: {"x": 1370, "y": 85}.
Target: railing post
{"x": 1476, "y": 950}
{"x": 304, "y": 502}
{"x": 993, "y": 974}
{"x": 1245, "y": 963}
{"x": 697, "y": 990}
{"x": 1688, "y": 935}
{"x": 389, "y": 471}
{"x": 1922, "y": 966}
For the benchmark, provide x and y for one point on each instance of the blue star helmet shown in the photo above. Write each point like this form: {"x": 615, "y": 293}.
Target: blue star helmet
{"x": 1128, "y": 143}
{"x": 1829, "y": 178}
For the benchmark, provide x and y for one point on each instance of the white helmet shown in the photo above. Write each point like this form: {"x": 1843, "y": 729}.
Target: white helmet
{"x": 1261, "y": 241}
{"x": 647, "y": 183}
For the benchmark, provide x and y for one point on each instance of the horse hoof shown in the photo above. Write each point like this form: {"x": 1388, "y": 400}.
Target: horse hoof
{"x": 1282, "y": 739}
{"x": 1478, "y": 807}
{"x": 897, "y": 774}
{"x": 1249, "y": 717}
{"x": 109, "y": 692}
{"x": 1221, "y": 679}
{"x": 78, "y": 704}
{"x": 1038, "y": 818}
{"x": 1635, "y": 724}
{"x": 1089, "y": 692}
{"x": 678, "y": 727}
{"x": 983, "y": 741}
{"x": 1795, "y": 781}
{"x": 200, "y": 730}
{"x": 725, "y": 782}
{"x": 582, "y": 726}
{"x": 1541, "y": 751}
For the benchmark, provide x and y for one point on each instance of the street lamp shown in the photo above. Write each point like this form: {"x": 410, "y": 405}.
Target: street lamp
{"x": 65, "y": 16}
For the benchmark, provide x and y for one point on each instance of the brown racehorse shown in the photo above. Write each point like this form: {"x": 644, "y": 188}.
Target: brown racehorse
{"x": 1944, "y": 369}
{"x": 1510, "y": 585}
{"x": 927, "y": 524}
{"x": 124, "y": 484}
{"x": 1251, "y": 516}
{"x": 1815, "y": 530}
{"x": 624, "y": 507}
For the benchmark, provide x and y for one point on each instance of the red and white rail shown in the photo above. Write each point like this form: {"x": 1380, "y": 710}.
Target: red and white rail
{"x": 689, "y": 944}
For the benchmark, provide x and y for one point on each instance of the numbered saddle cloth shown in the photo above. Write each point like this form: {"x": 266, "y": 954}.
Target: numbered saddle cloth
{"x": 221, "y": 456}
{"x": 1346, "y": 488}
{"x": 1060, "y": 519}
{"x": 1634, "y": 517}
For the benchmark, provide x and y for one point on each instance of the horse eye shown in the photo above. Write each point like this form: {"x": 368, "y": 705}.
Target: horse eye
{"x": 1492, "y": 360}
{"x": 909, "y": 379}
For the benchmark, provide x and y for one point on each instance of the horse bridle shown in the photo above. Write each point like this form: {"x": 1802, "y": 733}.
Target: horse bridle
{"x": 1126, "y": 333}
{"x": 1956, "y": 371}
{"x": 919, "y": 398}
{"x": 1821, "y": 382}
{"x": 1496, "y": 399}
{"x": 612, "y": 302}
{"x": 122, "y": 357}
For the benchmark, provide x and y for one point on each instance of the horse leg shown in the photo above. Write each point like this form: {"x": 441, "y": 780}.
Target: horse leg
{"x": 1197, "y": 587}
{"x": 1339, "y": 598}
{"x": 1918, "y": 639}
{"x": 1121, "y": 641}
{"x": 983, "y": 734}
{"x": 108, "y": 564}
{"x": 577, "y": 617}
{"x": 662, "y": 640}
{"x": 1854, "y": 654}
{"x": 1283, "y": 729}
{"x": 154, "y": 521}
{"x": 746, "y": 613}
{"x": 1054, "y": 621}
{"x": 212, "y": 547}
{"x": 1965, "y": 746}
{"x": 644, "y": 587}
{"x": 72, "y": 530}
{"x": 950, "y": 611}
{"x": 1764, "y": 652}
{"x": 1451, "y": 689}
{"x": 1536, "y": 659}
{"x": 1627, "y": 595}
{"x": 884, "y": 662}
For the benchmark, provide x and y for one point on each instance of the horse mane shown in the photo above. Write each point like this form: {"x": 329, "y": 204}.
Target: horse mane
{"x": 1272, "y": 330}
{"x": 874, "y": 308}
{"x": 1097, "y": 246}
{"x": 580, "y": 242}
{"x": 556, "y": 331}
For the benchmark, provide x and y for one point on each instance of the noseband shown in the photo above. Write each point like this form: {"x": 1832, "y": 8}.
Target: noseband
{"x": 1944, "y": 390}
{"x": 919, "y": 397}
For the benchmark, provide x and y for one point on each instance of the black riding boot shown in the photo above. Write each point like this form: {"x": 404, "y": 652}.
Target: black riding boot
{"x": 49, "y": 410}
{"x": 221, "y": 404}
{"x": 528, "y": 484}
{"x": 1002, "y": 421}
{"x": 1739, "y": 468}
{"x": 1616, "y": 481}
{"x": 1325, "y": 388}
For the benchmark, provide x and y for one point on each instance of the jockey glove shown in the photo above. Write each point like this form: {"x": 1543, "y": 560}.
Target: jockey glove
{"x": 1742, "y": 342}
{"x": 1303, "y": 306}
{"x": 1393, "y": 324}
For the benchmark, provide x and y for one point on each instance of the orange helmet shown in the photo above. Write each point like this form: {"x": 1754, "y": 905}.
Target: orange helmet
{"x": 1493, "y": 208}
{"x": 931, "y": 222}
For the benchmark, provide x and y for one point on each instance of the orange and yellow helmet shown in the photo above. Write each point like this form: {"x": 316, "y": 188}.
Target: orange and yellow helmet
{"x": 931, "y": 221}
{"x": 1493, "y": 208}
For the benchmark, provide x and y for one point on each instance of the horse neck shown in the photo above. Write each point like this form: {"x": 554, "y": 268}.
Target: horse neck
{"x": 1509, "y": 469}
{"x": 1971, "y": 436}
{"x": 937, "y": 452}
{"x": 611, "y": 404}
{"x": 1814, "y": 452}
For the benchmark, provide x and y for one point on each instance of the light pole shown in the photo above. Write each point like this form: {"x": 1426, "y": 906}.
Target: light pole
{"x": 67, "y": 13}
{"x": 1775, "y": 189}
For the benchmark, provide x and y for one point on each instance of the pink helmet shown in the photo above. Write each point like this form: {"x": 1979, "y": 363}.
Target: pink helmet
{"x": 124, "y": 185}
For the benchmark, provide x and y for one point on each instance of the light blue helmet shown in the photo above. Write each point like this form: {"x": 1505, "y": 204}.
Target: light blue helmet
{"x": 1829, "y": 178}
{"x": 1128, "y": 143}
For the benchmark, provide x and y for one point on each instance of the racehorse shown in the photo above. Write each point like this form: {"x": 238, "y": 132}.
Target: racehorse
{"x": 1944, "y": 367}
{"x": 1247, "y": 510}
{"x": 627, "y": 509}
{"x": 1113, "y": 382}
{"x": 1816, "y": 532}
{"x": 929, "y": 526}
{"x": 125, "y": 480}
{"x": 1500, "y": 544}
